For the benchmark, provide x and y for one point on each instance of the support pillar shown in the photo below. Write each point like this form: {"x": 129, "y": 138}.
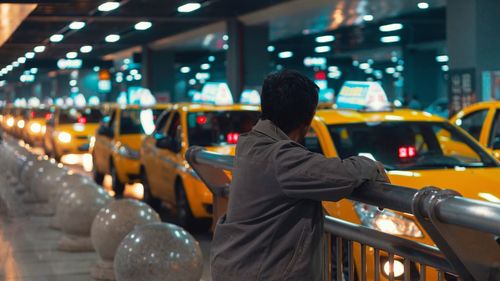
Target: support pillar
{"x": 247, "y": 56}
{"x": 473, "y": 44}
{"x": 158, "y": 73}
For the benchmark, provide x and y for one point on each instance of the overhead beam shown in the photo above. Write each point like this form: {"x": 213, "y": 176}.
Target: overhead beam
{"x": 35, "y": 18}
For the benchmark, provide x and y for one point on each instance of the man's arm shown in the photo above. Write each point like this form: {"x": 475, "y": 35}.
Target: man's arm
{"x": 308, "y": 175}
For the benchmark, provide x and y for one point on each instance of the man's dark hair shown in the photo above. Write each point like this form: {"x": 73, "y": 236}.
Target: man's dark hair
{"x": 289, "y": 99}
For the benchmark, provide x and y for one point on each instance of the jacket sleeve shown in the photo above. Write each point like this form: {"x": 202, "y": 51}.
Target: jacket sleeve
{"x": 307, "y": 175}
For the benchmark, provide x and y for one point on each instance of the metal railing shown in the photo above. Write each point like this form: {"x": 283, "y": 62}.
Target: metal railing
{"x": 466, "y": 232}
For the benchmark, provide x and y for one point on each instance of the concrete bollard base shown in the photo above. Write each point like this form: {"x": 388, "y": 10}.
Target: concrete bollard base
{"x": 72, "y": 243}
{"x": 103, "y": 270}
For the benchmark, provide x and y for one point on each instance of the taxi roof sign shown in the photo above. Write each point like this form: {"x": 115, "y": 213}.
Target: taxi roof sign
{"x": 362, "y": 95}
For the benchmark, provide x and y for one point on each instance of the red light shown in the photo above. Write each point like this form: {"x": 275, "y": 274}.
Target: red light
{"x": 32, "y": 114}
{"x": 82, "y": 120}
{"x": 48, "y": 116}
{"x": 201, "y": 120}
{"x": 320, "y": 75}
{"x": 407, "y": 152}
{"x": 232, "y": 138}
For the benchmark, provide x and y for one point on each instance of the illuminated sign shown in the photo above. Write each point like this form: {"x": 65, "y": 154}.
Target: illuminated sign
{"x": 69, "y": 64}
{"x": 362, "y": 95}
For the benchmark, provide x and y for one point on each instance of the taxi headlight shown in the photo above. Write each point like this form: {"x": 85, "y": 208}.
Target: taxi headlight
{"x": 398, "y": 268}
{"x": 36, "y": 128}
{"x": 386, "y": 221}
{"x": 10, "y": 122}
{"x": 128, "y": 152}
{"x": 64, "y": 137}
{"x": 20, "y": 124}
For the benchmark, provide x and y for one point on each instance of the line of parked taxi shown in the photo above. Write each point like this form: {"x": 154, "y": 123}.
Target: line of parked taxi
{"x": 147, "y": 145}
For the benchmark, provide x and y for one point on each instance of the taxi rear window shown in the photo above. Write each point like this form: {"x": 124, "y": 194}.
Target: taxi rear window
{"x": 88, "y": 115}
{"x": 138, "y": 121}
{"x": 215, "y": 128}
{"x": 409, "y": 145}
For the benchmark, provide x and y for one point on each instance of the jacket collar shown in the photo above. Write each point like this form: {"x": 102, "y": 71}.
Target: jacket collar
{"x": 269, "y": 129}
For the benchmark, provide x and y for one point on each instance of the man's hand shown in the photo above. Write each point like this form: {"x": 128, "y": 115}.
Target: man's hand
{"x": 382, "y": 174}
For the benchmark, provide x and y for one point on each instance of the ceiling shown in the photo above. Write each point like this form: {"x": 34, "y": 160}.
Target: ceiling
{"x": 54, "y": 16}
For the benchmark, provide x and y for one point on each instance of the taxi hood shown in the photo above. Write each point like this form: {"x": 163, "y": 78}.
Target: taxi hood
{"x": 79, "y": 129}
{"x": 476, "y": 183}
{"x": 133, "y": 141}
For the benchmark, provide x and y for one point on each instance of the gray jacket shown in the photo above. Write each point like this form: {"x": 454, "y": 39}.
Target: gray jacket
{"x": 273, "y": 228}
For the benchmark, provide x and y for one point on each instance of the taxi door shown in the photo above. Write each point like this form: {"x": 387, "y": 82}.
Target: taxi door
{"x": 103, "y": 146}
{"x": 494, "y": 134}
{"x": 171, "y": 158}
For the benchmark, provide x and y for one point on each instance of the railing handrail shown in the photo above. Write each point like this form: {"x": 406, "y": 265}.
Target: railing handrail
{"x": 456, "y": 210}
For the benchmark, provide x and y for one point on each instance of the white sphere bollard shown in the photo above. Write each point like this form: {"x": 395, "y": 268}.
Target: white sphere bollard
{"x": 47, "y": 184}
{"x": 111, "y": 225}
{"x": 67, "y": 183}
{"x": 158, "y": 251}
{"x": 29, "y": 177}
{"x": 40, "y": 171}
{"x": 77, "y": 211}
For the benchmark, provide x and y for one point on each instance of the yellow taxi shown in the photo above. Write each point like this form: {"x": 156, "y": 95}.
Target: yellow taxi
{"x": 69, "y": 131}
{"x": 19, "y": 122}
{"x": 115, "y": 150}
{"x": 482, "y": 121}
{"x": 167, "y": 177}
{"x": 35, "y": 125}
{"x": 417, "y": 149}
{"x": 7, "y": 118}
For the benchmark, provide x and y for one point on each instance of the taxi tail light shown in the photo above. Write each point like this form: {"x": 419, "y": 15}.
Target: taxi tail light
{"x": 232, "y": 138}
{"x": 82, "y": 120}
{"x": 201, "y": 120}
{"x": 32, "y": 114}
{"x": 48, "y": 116}
{"x": 406, "y": 152}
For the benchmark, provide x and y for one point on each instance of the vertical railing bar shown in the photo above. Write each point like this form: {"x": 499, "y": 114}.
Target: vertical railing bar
{"x": 440, "y": 275}
{"x": 350, "y": 260}
{"x": 391, "y": 267}
{"x": 328, "y": 262}
{"x": 340, "y": 261}
{"x": 422, "y": 272}
{"x": 377, "y": 264}
{"x": 363, "y": 262}
{"x": 407, "y": 273}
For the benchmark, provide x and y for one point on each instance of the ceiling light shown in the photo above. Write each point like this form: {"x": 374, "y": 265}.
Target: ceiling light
{"x": 185, "y": 69}
{"x": 445, "y": 67}
{"x": 72, "y": 55}
{"x": 390, "y": 27}
{"x": 390, "y": 39}
{"x": 108, "y": 6}
{"x": 34, "y": 70}
{"x": 442, "y": 58}
{"x": 225, "y": 37}
{"x": 367, "y": 17}
{"x": 15, "y": 64}
{"x": 225, "y": 46}
{"x": 143, "y": 25}
{"x": 364, "y": 65}
{"x": 390, "y": 70}
{"x": 271, "y": 48}
{"x": 423, "y": 5}
{"x": 285, "y": 55}
{"x": 322, "y": 49}
{"x": 29, "y": 55}
{"x": 211, "y": 58}
{"x": 205, "y": 66}
{"x": 56, "y": 38}
{"x": 112, "y": 38}
{"x": 189, "y": 7}
{"x": 9, "y": 67}
{"x": 76, "y": 25}
{"x": 86, "y": 49}
{"x": 39, "y": 49}
{"x": 73, "y": 83}
{"x": 325, "y": 39}
{"x": 21, "y": 60}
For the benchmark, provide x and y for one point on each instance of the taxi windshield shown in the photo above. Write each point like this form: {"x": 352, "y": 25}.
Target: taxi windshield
{"x": 215, "y": 128}
{"x": 83, "y": 116}
{"x": 409, "y": 145}
{"x": 138, "y": 121}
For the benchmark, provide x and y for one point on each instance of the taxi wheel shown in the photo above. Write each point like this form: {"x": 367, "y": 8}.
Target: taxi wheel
{"x": 185, "y": 217}
{"x": 148, "y": 197}
{"x": 118, "y": 187}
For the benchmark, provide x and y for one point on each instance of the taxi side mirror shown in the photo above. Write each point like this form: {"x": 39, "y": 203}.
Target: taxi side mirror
{"x": 168, "y": 143}
{"x": 105, "y": 131}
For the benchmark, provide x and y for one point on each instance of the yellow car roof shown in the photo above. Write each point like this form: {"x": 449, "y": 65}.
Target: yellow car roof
{"x": 156, "y": 106}
{"x": 194, "y": 107}
{"x": 343, "y": 116}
